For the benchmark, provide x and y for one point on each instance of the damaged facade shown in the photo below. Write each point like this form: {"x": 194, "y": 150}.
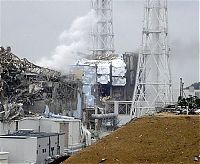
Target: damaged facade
{"x": 92, "y": 88}
{"x": 97, "y": 92}
{"x": 26, "y": 88}
{"x": 106, "y": 81}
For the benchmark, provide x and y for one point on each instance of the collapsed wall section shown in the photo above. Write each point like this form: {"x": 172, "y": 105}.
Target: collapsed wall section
{"x": 26, "y": 88}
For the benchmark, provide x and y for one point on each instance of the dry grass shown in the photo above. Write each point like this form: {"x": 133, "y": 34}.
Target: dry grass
{"x": 160, "y": 139}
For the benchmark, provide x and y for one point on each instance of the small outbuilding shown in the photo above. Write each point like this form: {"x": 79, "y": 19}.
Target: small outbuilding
{"x": 27, "y": 146}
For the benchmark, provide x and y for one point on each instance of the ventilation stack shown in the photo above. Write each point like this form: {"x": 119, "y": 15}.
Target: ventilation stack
{"x": 102, "y": 36}
{"x": 153, "y": 79}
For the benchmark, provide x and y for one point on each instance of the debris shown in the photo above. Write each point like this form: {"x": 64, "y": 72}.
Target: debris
{"x": 25, "y": 86}
{"x": 102, "y": 160}
{"x": 196, "y": 158}
{"x": 116, "y": 159}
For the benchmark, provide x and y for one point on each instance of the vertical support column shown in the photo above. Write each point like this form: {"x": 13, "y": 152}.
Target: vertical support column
{"x": 116, "y": 107}
{"x": 96, "y": 120}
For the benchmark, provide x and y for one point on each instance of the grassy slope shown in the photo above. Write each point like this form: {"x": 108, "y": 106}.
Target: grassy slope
{"x": 147, "y": 140}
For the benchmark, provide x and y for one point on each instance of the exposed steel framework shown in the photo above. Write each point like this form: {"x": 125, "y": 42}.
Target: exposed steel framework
{"x": 153, "y": 79}
{"x": 102, "y": 35}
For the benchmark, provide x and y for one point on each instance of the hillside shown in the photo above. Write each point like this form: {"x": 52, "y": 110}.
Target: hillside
{"x": 158, "y": 139}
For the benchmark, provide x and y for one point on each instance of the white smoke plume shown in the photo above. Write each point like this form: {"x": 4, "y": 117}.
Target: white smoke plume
{"x": 73, "y": 44}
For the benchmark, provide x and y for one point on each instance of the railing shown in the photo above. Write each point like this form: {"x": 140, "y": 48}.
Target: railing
{"x": 118, "y": 107}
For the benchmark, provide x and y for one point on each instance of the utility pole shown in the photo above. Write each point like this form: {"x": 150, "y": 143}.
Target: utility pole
{"x": 181, "y": 88}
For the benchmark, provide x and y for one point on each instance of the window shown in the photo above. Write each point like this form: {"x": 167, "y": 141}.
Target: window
{"x": 44, "y": 150}
{"x": 52, "y": 149}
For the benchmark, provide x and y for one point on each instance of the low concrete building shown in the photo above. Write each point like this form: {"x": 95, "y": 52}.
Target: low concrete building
{"x": 191, "y": 91}
{"x": 26, "y": 146}
{"x": 70, "y": 127}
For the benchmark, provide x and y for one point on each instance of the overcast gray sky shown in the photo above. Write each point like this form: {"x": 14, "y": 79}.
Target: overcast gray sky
{"x": 32, "y": 28}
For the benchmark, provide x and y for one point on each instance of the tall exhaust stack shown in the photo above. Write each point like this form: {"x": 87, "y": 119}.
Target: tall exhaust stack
{"x": 153, "y": 81}
{"x": 102, "y": 36}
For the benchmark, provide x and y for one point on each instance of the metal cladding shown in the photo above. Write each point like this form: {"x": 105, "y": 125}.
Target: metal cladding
{"x": 103, "y": 71}
{"x": 100, "y": 72}
{"x": 118, "y": 72}
{"x": 153, "y": 81}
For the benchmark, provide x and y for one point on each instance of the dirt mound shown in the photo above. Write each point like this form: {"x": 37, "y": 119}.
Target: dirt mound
{"x": 147, "y": 140}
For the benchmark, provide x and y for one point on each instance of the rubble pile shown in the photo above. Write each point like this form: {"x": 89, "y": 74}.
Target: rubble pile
{"x": 26, "y": 88}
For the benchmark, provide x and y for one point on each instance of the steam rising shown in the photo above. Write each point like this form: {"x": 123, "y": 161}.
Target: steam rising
{"x": 73, "y": 44}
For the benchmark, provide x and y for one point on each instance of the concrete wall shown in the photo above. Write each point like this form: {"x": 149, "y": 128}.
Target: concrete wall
{"x": 29, "y": 124}
{"x": 42, "y": 149}
{"x": 48, "y": 146}
{"x": 32, "y": 149}
{"x": 49, "y": 126}
{"x": 123, "y": 119}
{"x": 62, "y": 141}
{"x": 64, "y": 128}
{"x": 20, "y": 150}
{"x": 4, "y": 157}
{"x": 39, "y": 125}
{"x": 74, "y": 133}
{"x": 71, "y": 128}
{"x": 54, "y": 145}
{"x": 78, "y": 113}
{"x": 6, "y": 128}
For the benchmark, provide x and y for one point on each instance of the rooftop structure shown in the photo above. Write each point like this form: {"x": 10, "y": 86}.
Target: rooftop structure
{"x": 29, "y": 133}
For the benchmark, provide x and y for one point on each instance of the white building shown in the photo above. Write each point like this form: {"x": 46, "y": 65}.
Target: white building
{"x": 74, "y": 136}
{"x": 70, "y": 127}
{"x": 27, "y": 146}
{"x": 191, "y": 91}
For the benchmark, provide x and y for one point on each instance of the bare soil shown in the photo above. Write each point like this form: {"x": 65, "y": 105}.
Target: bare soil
{"x": 157, "y": 139}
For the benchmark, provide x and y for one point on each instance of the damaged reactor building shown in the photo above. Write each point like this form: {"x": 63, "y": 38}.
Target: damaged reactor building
{"x": 26, "y": 88}
{"x": 98, "y": 90}
{"x": 105, "y": 82}
{"x": 102, "y": 91}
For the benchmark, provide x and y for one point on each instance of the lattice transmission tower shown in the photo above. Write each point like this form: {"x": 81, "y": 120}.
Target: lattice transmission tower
{"x": 153, "y": 79}
{"x": 102, "y": 36}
